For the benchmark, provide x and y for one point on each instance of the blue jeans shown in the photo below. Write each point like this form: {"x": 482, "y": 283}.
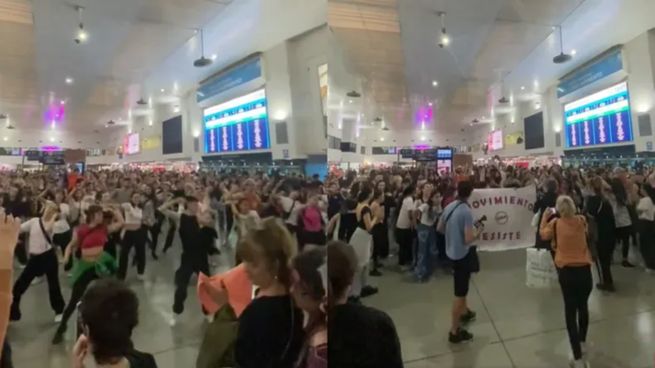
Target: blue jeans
{"x": 427, "y": 238}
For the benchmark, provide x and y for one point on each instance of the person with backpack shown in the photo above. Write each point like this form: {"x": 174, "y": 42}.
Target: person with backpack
{"x": 602, "y": 235}
{"x": 42, "y": 260}
{"x": 568, "y": 232}
{"x": 108, "y": 313}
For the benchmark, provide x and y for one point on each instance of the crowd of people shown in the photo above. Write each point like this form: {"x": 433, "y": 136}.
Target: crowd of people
{"x": 283, "y": 230}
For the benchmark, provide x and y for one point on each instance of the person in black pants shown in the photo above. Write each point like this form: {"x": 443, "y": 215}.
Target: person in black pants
{"x": 197, "y": 235}
{"x": 135, "y": 237}
{"x": 601, "y": 210}
{"x": 43, "y": 260}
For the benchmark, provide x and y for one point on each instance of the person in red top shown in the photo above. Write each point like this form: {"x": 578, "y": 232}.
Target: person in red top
{"x": 94, "y": 262}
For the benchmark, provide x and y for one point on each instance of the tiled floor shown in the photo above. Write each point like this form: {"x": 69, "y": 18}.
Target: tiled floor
{"x": 518, "y": 326}
{"x": 173, "y": 347}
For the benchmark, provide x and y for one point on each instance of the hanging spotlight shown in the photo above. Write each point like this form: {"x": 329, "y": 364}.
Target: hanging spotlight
{"x": 562, "y": 57}
{"x": 444, "y": 39}
{"x": 81, "y": 36}
{"x": 203, "y": 61}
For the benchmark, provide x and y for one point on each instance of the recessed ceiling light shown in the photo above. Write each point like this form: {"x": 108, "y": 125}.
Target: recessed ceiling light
{"x": 522, "y": 88}
{"x": 69, "y": 80}
{"x": 350, "y": 101}
{"x": 5, "y": 139}
{"x": 214, "y": 56}
{"x": 435, "y": 83}
{"x": 429, "y": 103}
{"x": 573, "y": 52}
{"x": 381, "y": 139}
{"x": 52, "y": 139}
{"x": 162, "y": 90}
{"x": 422, "y": 137}
{"x": 150, "y": 122}
{"x": 62, "y": 102}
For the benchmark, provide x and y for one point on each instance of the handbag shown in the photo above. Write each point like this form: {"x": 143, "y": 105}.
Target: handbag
{"x": 535, "y": 219}
{"x": 217, "y": 348}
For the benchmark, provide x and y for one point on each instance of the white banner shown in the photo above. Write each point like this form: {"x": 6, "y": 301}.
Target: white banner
{"x": 509, "y": 215}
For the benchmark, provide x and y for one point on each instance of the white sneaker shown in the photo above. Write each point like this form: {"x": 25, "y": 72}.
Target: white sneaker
{"x": 141, "y": 277}
{"x": 586, "y": 348}
{"x": 209, "y": 318}
{"x": 650, "y": 271}
{"x": 58, "y": 318}
{"x": 37, "y": 280}
{"x": 173, "y": 321}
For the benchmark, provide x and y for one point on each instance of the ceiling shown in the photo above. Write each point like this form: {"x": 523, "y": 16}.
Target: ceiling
{"x": 136, "y": 49}
{"x": 496, "y": 47}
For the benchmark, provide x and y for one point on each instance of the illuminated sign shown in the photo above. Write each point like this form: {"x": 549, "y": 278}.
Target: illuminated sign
{"x": 240, "y": 124}
{"x": 600, "y": 118}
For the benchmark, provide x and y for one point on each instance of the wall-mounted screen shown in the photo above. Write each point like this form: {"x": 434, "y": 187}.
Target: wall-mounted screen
{"x": 171, "y": 136}
{"x": 495, "y": 140}
{"x": 131, "y": 144}
{"x": 533, "y": 126}
{"x": 240, "y": 124}
{"x": 600, "y": 118}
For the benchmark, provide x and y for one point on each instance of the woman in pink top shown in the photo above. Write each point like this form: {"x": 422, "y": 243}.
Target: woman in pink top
{"x": 568, "y": 232}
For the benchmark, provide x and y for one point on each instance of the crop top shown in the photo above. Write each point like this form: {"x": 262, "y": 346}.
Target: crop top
{"x": 360, "y": 222}
{"x": 92, "y": 237}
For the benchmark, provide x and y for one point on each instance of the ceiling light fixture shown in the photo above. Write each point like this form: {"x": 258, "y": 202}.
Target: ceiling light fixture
{"x": 522, "y": 88}
{"x": 381, "y": 139}
{"x": 69, "y": 80}
{"x": 435, "y": 83}
{"x": 444, "y": 39}
{"x": 81, "y": 36}
{"x": 203, "y": 61}
{"x": 162, "y": 90}
{"x": 562, "y": 57}
{"x": 150, "y": 122}
{"x": 430, "y": 104}
{"x": 214, "y": 56}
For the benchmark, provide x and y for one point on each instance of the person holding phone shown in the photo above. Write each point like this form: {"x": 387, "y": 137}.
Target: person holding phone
{"x": 568, "y": 232}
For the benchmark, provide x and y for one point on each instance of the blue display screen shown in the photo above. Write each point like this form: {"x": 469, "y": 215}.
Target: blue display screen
{"x": 240, "y": 124}
{"x": 598, "y": 119}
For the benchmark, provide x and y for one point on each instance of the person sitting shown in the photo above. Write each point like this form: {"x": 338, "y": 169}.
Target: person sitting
{"x": 108, "y": 313}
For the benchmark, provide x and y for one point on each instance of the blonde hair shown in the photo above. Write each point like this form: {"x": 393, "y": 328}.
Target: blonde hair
{"x": 271, "y": 243}
{"x": 565, "y": 206}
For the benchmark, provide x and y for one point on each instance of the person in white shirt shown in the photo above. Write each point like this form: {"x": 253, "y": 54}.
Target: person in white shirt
{"x": 405, "y": 226}
{"x": 42, "y": 260}
{"x": 134, "y": 237}
{"x": 646, "y": 213}
{"x": 61, "y": 231}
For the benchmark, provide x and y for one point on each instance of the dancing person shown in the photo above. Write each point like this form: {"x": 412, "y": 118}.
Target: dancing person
{"x": 545, "y": 200}
{"x": 9, "y": 230}
{"x": 94, "y": 262}
{"x": 134, "y": 237}
{"x": 379, "y": 232}
{"x": 150, "y": 220}
{"x": 601, "y": 210}
{"x": 271, "y": 327}
{"x": 194, "y": 250}
{"x": 108, "y": 314}
{"x": 309, "y": 291}
{"x": 311, "y": 226}
{"x": 460, "y": 231}
{"x": 573, "y": 261}
{"x": 42, "y": 260}
{"x": 351, "y": 341}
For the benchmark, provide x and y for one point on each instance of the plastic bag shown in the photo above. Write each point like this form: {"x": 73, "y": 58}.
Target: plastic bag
{"x": 540, "y": 269}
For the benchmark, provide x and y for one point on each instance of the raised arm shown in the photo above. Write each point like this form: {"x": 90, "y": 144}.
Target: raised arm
{"x": 118, "y": 223}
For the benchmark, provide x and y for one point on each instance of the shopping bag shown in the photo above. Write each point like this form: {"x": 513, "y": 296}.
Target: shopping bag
{"x": 540, "y": 270}
{"x": 634, "y": 256}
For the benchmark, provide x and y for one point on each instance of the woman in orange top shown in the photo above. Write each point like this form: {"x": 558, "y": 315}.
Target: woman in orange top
{"x": 568, "y": 231}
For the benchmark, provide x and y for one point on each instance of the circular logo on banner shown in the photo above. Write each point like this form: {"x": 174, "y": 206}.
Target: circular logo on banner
{"x": 501, "y": 217}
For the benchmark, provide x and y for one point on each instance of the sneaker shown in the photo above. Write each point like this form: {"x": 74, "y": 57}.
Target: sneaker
{"x": 650, "y": 270}
{"x": 468, "y": 317}
{"x": 461, "y": 336}
{"x": 173, "y": 321}
{"x": 627, "y": 264}
{"x": 209, "y": 318}
{"x": 375, "y": 273}
{"x": 58, "y": 318}
{"x": 154, "y": 255}
{"x": 37, "y": 280}
{"x": 368, "y": 290}
{"x": 141, "y": 277}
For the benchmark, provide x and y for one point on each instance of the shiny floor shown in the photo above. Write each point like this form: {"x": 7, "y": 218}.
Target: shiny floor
{"x": 173, "y": 347}
{"x": 517, "y": 326}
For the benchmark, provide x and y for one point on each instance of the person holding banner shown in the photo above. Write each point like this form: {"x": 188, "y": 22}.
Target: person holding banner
{"x": 457, "y": 224}
{"x": 568, "y": 232}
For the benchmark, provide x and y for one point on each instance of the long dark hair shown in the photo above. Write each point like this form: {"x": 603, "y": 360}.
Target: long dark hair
{"x": 619, "y": 191}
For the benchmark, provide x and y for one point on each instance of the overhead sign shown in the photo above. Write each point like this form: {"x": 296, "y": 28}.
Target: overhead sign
{"x": 509, "y": 215}
{"x": 242, "y": 73}
{"x": 603, "y": 66}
